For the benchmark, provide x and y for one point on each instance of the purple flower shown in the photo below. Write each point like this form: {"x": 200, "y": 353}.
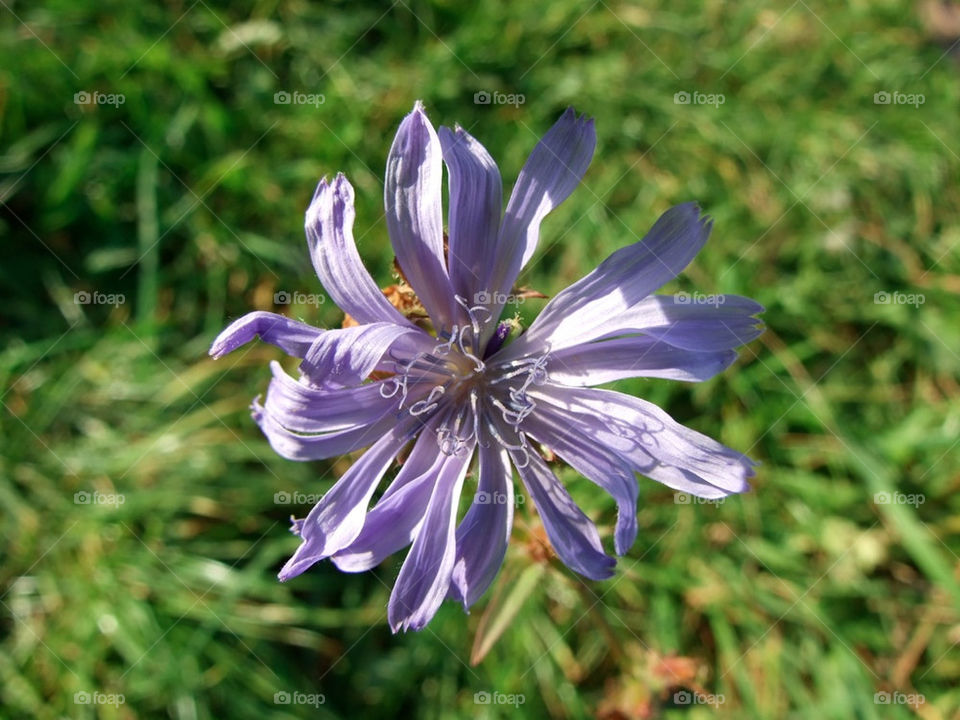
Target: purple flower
{"x": 463, "y": 391}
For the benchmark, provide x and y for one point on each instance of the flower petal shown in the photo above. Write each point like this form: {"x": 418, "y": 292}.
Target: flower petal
{"x": 595, "y": 305}
{"x": 338, "y": 518}
{"x": 329, "y": 228}
{"x": 598, "y": 465}
{"x": 475, "y": 206}
{"x": 484, "y": 532}
{"x": 554, "y": 169}
{"x": 412, "y": 195}
{"x": 596, "y": 363}
{"x": 721, "y": 325}
{"x": 572, "y": 534}
{"x": 305, "y": 409}
{"x": 291, "y": 336}
{"x": 347, "y": 356}
{"x": 425, "y": 576}
{"x": 648, "y": 439}
{"x": 393, "y": 522}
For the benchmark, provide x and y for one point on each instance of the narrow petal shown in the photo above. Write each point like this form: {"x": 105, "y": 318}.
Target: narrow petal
{"x": 305, "y": 409}
{"x": 393, "y": 522}
{"x": 329, "y": 228}
{"x": 291, "y": 336}
{"x": 721, "y": 325}
{"x": 601, "y": 467}
{"x": 347, "y": 356}
{"x": 425, "y": 576}
{"x": 596, "y": 363}
{"x": 554, "y": 169}
{"x": 648, "y": 439}
{"x": 595, "y": 305}
{"x": 412, "y": 195}
{"x": 475, "y": 208}
{"x": 338, "y": 518}
{"x": 484, "y": 532}
{"x": 572, "y": 534}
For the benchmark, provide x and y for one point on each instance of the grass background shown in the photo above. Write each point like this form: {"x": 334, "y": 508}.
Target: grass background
{"x": 802, "y": 599}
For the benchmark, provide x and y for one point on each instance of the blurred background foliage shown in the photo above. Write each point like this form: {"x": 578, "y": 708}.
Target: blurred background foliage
{"x": 804, "y": 598}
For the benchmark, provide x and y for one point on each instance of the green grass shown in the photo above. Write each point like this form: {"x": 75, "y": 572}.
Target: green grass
{"x": 801, "y": 599}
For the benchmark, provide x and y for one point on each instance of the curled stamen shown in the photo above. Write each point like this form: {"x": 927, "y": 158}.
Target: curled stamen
{"x": 471, "y": 313}
{"x": 445, "y": 348}
{"x": 428, "y": 404}
{"x": 521, "y": 448}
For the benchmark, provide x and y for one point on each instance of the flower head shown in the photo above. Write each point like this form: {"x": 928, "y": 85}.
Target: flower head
{"x": 457, "y": 388}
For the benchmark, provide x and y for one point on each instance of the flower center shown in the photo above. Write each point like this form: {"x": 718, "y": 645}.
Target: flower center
{"x": 461, "y": 395}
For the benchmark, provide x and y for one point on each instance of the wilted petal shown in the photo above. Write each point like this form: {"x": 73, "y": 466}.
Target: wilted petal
{"x": 596, "y": 304}
{"x": 651, "y": 442}
{"x": 598, "y": 465}
{"x": 425, "y": 576}
{"x": 596, "y": 363}
{"x": 484, "y": 532}
{"x": 475, "y": 207}
{"x": 412, "y": 195}
{"x": 554, "y": 169}
{"x": 338, "y": 518}
{"x": 572, "y": 534}
{"x": 329, "y": 228}
{"x": 291, "y": 336}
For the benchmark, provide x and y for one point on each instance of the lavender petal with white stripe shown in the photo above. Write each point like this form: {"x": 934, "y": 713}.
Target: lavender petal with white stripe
{"x": 463, "y": 388}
